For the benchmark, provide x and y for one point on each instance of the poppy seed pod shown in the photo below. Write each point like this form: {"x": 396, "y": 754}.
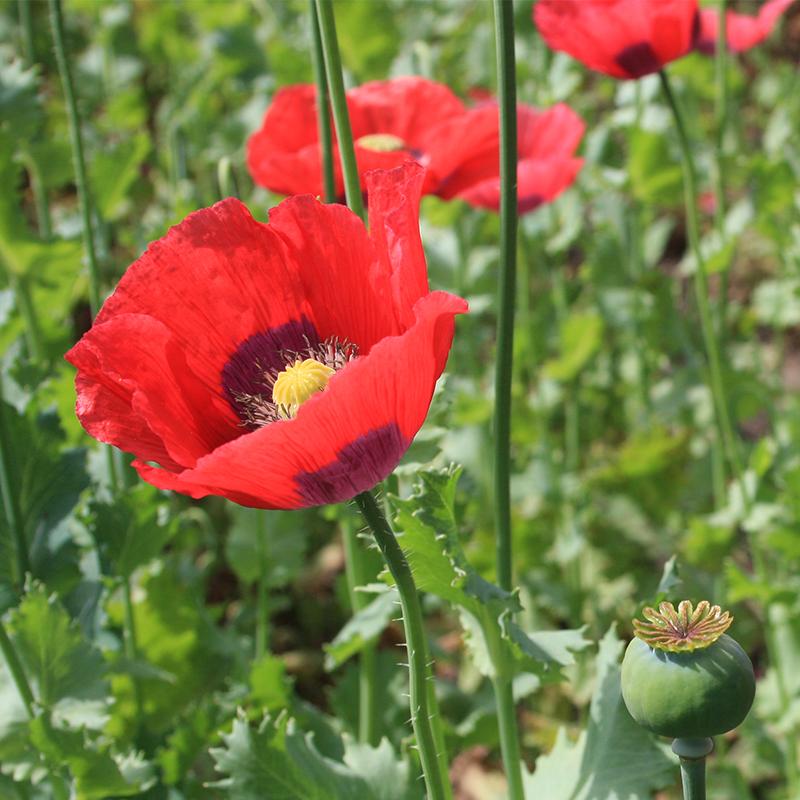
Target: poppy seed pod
{"x": 683, "y": 677}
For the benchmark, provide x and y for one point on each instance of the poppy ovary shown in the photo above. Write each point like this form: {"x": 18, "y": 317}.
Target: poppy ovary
{"x": 297, "y": 383}
{"x": 381, "y": 142}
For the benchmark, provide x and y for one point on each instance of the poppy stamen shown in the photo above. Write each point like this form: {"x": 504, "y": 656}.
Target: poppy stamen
{"x": 297, "y": 383}
{"x": 381, "y": 142}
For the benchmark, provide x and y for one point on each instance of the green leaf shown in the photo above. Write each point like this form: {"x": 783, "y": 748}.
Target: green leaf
{"x": 580, "y": 336}
{"x": 654, "y": 174}
{"x": 613, "y": 759}
{"x": 113, "y": 173}
{"x": 361, "y": 629}
{"x": 47, "y": 483}
{"x": 281, "y": 762}
{"x": 270, "y": 689}
{"x": 130, "y": 530}
{"x": 97, "y": 774}
{"x": 270, "y": 543}
{"x": 59, "y": 662}
{"x": 429, "y": 538}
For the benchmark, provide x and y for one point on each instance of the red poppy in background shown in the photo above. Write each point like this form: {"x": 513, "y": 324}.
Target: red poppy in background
{"x": 741, "y": 30}
{"x": 393, "y": 122}
{"x": 546, "y": 145}
{"x": 279, "y": 365}
{"x": 621, "y": 38}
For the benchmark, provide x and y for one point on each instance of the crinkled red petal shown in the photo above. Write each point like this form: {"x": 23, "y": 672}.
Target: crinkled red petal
{"x": 372, "y": 408}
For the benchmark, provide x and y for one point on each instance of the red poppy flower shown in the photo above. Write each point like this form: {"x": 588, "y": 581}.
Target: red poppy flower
{"x": 393, "y": 122}
{"x": 622, "y": 38}
{"x": 741, "y": 31}
{"x": 546, "y": 145}
{"x": 279, "y": 365}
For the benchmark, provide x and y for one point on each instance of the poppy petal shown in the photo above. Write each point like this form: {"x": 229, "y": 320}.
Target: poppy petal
{"x": 345, "y": 439}
{"x": 135, "y": 391}
{"x": 621, "y": 38}
{"x": 742, "y": 30}
{"x": 284, "y": 153}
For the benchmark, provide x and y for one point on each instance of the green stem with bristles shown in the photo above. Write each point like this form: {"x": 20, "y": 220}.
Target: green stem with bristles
{"x": 504, "y": 38}
{"x": 323, "y": 108}
{"x": 26, "y": 26}
{"x": 76, "y": 139}
{"x": 715, "y": 376}
{"x": 356, "y": 573}
{"x": 11, "y": 501}
{"x": 721, "y": 113}
{"x": 507, "y": 287}
{"x": 434, "y": 763}
{"x": 341, "y": 117}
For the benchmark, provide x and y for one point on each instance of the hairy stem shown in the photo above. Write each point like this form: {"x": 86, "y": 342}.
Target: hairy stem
{"x": 323, "y": 108}
{"x": 721, "y": 113}
{"x": 507, "y": 92}
{"x": 76, "y": 139}
{"x": 341, "y": 118}
{"x": 434, "y": 765}
{"x": 715, "y": 377}
{"x": 11, "y": 501}
{"x": 357, "y": 575}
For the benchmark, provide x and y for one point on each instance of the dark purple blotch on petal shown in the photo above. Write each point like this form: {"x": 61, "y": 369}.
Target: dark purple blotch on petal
{"x": 639, "y": 60}
{"x": 264, "y": 352}
{"x": 359, "y": 466}
{"x": 528, "y": 202}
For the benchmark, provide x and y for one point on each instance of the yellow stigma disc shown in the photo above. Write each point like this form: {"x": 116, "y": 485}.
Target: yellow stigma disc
{"x": 297, "y": 383}
{"x": 381, "y": 142}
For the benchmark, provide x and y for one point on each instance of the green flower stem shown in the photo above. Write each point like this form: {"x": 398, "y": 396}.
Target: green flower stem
{"x": 434, "y": 766}
{"x": 341, "y": 118}
{"x": 16, "y": 671}
{"x": 507, "y": 286}
{"x": 355, "y": 568}
{"x": 261, "y": 637}
{"x": 131, "y": 649}
{"x": 692, "y": 754}
{"x": 57, "y": 24}
{"x": 22, "y": 295}
{"x": 40, "y": 198}
{"x": 722, "y": 414}
{"x": 323, "y": 108}
{"x": 721, "y": 113}
{"x": 10, "y": 500}
{"x": 26, "y": 26}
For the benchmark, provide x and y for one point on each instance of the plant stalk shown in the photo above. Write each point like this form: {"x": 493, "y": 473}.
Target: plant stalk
{"x": 507, "y": 95}
{"x": 721, "y": 113}
{"x": 715, "y": 376}
{"x": 692, "y": 754}
{"x": 10, "y": 500}
{"x": 423, "y": 711}
{"x": 76, "y": 139}
{"x": 26, "y": 26}
{"x": 16, "y": 671}
{"x": 355, "y": 569}
{"x": 323, "y": 108}
{"x": 341, "y": 118}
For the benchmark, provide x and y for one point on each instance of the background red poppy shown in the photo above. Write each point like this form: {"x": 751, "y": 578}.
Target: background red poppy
{"x": 622, "y": 38}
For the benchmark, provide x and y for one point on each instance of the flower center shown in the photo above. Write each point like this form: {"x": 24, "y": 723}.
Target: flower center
{"x": 683, "y": 630}
{"x": 299, "y": 381}
{"x": 381, "y": 142}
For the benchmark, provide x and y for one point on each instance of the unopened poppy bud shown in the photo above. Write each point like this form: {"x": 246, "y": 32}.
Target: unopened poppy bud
{"x": 683, "y": 676}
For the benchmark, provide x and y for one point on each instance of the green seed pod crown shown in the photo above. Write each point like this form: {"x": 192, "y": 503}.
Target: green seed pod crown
{"x": 683, "y": 676}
